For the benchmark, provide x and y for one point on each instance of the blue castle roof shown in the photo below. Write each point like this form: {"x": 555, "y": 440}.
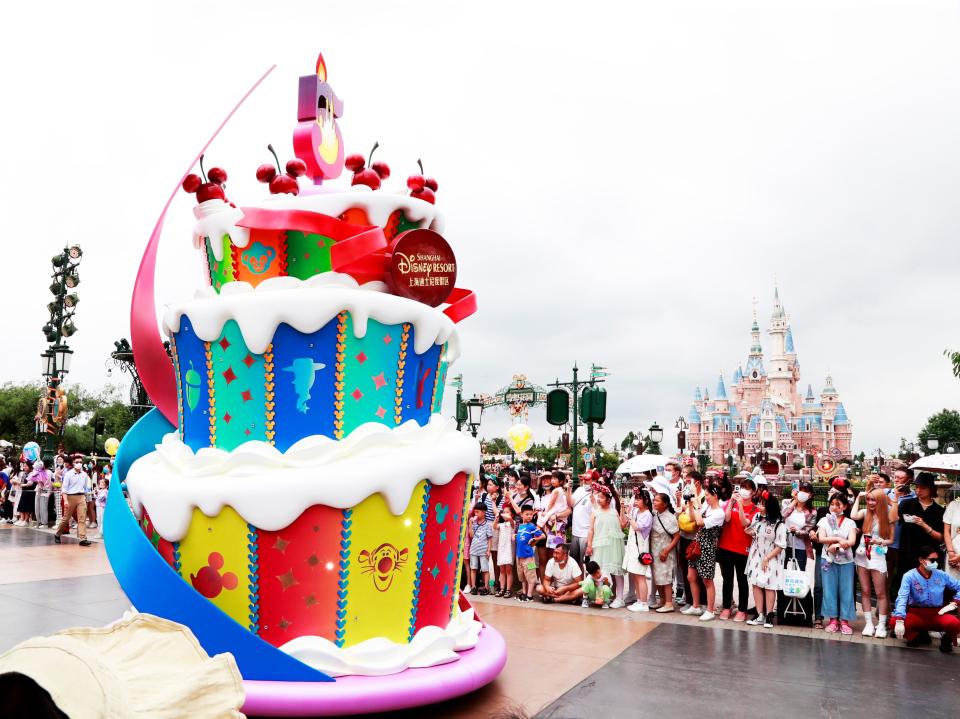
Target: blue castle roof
{"x": 697, "y": 394}
{"x": 841, "y": 415}
{"x": 694, "y": 416}
{"x": 721, "y": 389}
{"x": 790, "y": 349}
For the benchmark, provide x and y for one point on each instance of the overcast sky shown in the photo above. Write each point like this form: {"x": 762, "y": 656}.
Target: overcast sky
{"x": 619, "y": 180}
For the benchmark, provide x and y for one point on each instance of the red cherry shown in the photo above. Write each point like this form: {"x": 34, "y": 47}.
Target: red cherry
{"x": 217, "y": 175}
{"x": 431, "y": 183}
{"x": 425, "y": 194}
{"x": 210, "y": 191}
{"x": 296, "y": 168}
{"x": 191, "y": 183}
{"x": 415, "y": 182}
{"x": 354, "y": 163}
{"x": 284, "y": 184}
{"x": 382, "y": 169}
{"x": 367, "y": 177}
{"x": 266, "y": 172}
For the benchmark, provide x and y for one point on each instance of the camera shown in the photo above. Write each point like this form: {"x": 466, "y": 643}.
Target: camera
{"x": 687, "y": 496}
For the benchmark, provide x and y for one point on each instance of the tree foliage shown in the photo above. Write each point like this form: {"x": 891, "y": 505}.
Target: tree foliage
{"x": 944, "y": 425}
{"x": 18, "y": 407}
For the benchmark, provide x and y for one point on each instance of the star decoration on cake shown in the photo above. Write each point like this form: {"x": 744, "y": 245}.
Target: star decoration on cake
{"x": 287, "y": 580}
{"x": 361, "y": 358}
{"x": 224, "y": 344}
{"x": 313, "y": 560}
{"x": 281, "y": 544}
{"x": 310, "y": 600}
{"x": 379, "y": 381}
{"x": 249, "y": 360}
{"x": 450, "y": 556}
{"x": 381, "y": 413}
{"x": 229, "y": 375}
{"x": 227, "y": 417}
{"x": 387, "y": 339}
{"x": 283, "y": 624}
{"x": 443, "y": 536}
{"x": 435, "y": 571}
{"x": 246, "y": 395}
{"x": 356, "y": 394}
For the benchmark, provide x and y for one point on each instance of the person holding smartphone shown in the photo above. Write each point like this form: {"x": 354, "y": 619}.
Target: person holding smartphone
{"x": 921, "y": 522}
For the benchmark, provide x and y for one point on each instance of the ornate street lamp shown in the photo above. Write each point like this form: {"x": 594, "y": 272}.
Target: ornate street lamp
{"x": 682, "y": 426}
{"x": 656, "y": 433}
{"x": 48, "y": 363}
{"x": 933, "y": 444}
{"x": 474, "y": 414}
{"x": 64, "y": 357}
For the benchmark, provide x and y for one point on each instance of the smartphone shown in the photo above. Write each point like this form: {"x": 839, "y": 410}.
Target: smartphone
{"x": 911, "y": 518}
{"x": 736, "y": 488}
{"x": 795, "y": 485}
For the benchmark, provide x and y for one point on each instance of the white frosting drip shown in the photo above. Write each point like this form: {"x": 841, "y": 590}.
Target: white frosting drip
{"x": 378, "y": 205}
{"x": 216, "y": 218}
{"x": 307, "y": 305}
{"x": 379, "y": 656}
{"x": 374, "y": 458}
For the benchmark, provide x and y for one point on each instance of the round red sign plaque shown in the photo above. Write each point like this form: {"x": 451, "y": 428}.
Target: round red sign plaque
{"x": 422, "y": 267}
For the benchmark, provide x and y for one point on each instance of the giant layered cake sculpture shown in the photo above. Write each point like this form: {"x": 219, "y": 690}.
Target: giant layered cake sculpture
{"x": 310, "y": 489}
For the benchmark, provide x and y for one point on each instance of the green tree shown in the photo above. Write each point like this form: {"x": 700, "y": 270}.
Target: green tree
{"x": 944, "y": 425}
{"x": 627, "y": 442}
{"x": 497, "y": 445}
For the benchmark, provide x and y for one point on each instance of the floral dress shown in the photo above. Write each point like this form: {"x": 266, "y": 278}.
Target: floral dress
{"x": 638, "y": 543}
{"x": 708, "y": 536}
{"x": 765, "y": 538}
{"x": 661, "y": 534}
{"x": 608, "y": 541}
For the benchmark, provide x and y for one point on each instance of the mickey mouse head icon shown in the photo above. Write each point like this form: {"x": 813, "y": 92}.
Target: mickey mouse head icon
{"x": 209, "y": 582}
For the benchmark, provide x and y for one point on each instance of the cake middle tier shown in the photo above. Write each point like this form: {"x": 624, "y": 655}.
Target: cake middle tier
{"x": 290, "y": 359}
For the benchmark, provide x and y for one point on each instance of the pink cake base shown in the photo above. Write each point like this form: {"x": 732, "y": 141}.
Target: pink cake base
{"x": 353, "y": 695}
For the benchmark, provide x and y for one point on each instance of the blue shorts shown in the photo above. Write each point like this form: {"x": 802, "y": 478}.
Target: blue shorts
{"x": 480, "y": 561}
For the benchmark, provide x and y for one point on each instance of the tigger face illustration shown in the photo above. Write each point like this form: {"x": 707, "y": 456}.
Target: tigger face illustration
{"x": 383, "y": 562}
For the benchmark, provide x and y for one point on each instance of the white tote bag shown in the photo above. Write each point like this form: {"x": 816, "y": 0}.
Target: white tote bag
{"x": 795, "y": 582}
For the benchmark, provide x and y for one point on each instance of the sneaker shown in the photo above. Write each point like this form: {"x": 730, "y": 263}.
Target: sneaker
{"x": 484, "y": 592}
{"x": 585, "y": 603}
{"x": 507, "y": 594}
{"x": 692, "y": 611}
{"x": 639, "y": 607}
{"x": 741, "y": 617}
{"x": 467, "y": 590}
{"x": 84, "y": 543}
{"x": 845, "y": 628}
{"x": 881, "y": 632}
{"x": 605, "y": 605}
{"x": 681, "y": 602}
{"x": 724, "y": 615}
{"x": 768, "y": 622}
{"x": 499, "y": 593}
{"x": 617, "y": 604}
{"x": 756, "y": 622}
{"x": 707, "y": 617}
{"x": 832, "y": 627}
{"x": 474, "y": 591}
{"x": 869, "y": 630}
{"x": 665, "y": 609}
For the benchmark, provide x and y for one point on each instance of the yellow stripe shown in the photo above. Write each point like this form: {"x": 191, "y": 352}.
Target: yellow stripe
{"x": 373, "y": 611}
{"x": 225, "y": 534}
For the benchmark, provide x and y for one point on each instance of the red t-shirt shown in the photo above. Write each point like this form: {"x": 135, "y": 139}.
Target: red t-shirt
{"x": 734, "y": 538}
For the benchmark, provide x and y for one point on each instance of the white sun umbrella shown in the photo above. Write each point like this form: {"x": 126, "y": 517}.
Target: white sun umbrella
{"x": 643, "y": 463}
{"x": 944, "y": 463}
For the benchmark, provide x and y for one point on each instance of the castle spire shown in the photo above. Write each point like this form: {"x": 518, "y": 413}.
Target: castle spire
{"x": 721, "y": 388}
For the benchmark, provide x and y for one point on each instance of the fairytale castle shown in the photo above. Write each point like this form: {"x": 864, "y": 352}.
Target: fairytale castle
{"x": 764, "y": 408}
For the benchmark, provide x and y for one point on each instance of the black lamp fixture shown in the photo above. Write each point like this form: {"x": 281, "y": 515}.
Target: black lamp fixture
{"x": 474, "y": 414}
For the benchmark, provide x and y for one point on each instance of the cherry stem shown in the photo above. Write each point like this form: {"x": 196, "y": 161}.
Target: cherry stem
{"x": 202, "y": 172}
{"x": 275, "y": 158}
{"x": 372, "y": 150}
{"x": 421, "y": 165}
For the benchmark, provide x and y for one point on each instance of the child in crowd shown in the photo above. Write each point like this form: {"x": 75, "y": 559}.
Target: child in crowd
{"x": 549, "y": 518}
{"x": 481, "y": 547}
{"x": 527, "y": 536}
{"x": 597, "y": 587}
{"x": 506, "y": 534}
{"x": 103, "y": 488}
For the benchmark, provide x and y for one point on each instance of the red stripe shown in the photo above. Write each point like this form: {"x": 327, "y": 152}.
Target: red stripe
{"x": 442, "y": 542}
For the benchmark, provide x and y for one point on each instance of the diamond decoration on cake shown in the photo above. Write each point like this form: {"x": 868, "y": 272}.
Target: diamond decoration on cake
{"x": 281, "y": 544}
{"x": 356, "y": 394}
{"x": 227, "y": 417}
{"x": 381, "y": 413}
{"x": 224, "y": 344}
{"x": 287, "y": 580}
{"x": 249, "y": 360}
{"x": 229, "y": 375}
{"x": 361, "y": 358}
{"x": 379, "y": 381}
{"x": 246, "y": 395}
{"x": 387, "y": 339}
{"x": 435, "y": 571}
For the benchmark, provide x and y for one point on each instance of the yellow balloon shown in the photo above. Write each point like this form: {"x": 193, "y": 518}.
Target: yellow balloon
{"x": 112, "y": 445}
{"x": 520, "y": 438}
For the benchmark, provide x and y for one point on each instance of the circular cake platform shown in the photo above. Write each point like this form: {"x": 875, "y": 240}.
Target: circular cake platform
{"x": 358, "y": 695}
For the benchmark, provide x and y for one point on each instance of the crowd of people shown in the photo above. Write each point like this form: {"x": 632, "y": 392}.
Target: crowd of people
{"x": 659, "y": 548}
{"x": 71, "y": 493}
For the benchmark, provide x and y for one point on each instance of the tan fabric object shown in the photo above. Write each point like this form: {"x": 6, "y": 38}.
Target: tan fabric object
{"x": 142, "y": 667}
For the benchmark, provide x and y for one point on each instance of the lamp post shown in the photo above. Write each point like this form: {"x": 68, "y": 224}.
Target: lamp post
{"x": 656, "y": 437}
{"x": 682, "y": 426}
{"x": 57, "y": 358}
{"x": 933, "y": 444}
{"x": 702, "y": 458}
{"x": 878, "y": 460}
{"x": 474, "y": 414}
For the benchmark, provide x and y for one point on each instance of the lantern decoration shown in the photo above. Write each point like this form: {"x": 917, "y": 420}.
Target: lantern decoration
{"x": 520, "y": 438}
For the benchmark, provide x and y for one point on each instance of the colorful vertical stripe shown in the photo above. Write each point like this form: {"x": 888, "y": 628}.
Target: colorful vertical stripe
{"x": 339, "y": 375}
{"x": 303, "y": 384}
{"x": 343, "y": 576}
{"x": 370, "y": 374}
{"x": 382, "y": 569}
{"x": 418, "y": 386}
{"x": 253, "y": 577}
{"x": 192, "y": 388}
{"x": 238, "y": 381}
{"x": 298, "y": 577}
{"x": 441, "y": 384}
{"x": 418, "y": 571}
{"x": 462, "y": 521}
{"x": 401, "y": 373}
{"x": 438, "y": 579}
{"x": 221, "y": 271}
{"x": 214, "y": 559}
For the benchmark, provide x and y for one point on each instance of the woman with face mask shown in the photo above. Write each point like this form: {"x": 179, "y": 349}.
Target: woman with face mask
{"x": 838, "y": 534}
{"x": 709, "y": 518}
{"x": 871, "y": 557}
{"x": 734, "y": 547}
{"x": 801, "y": 520}
{"x": 765, "y": 563}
